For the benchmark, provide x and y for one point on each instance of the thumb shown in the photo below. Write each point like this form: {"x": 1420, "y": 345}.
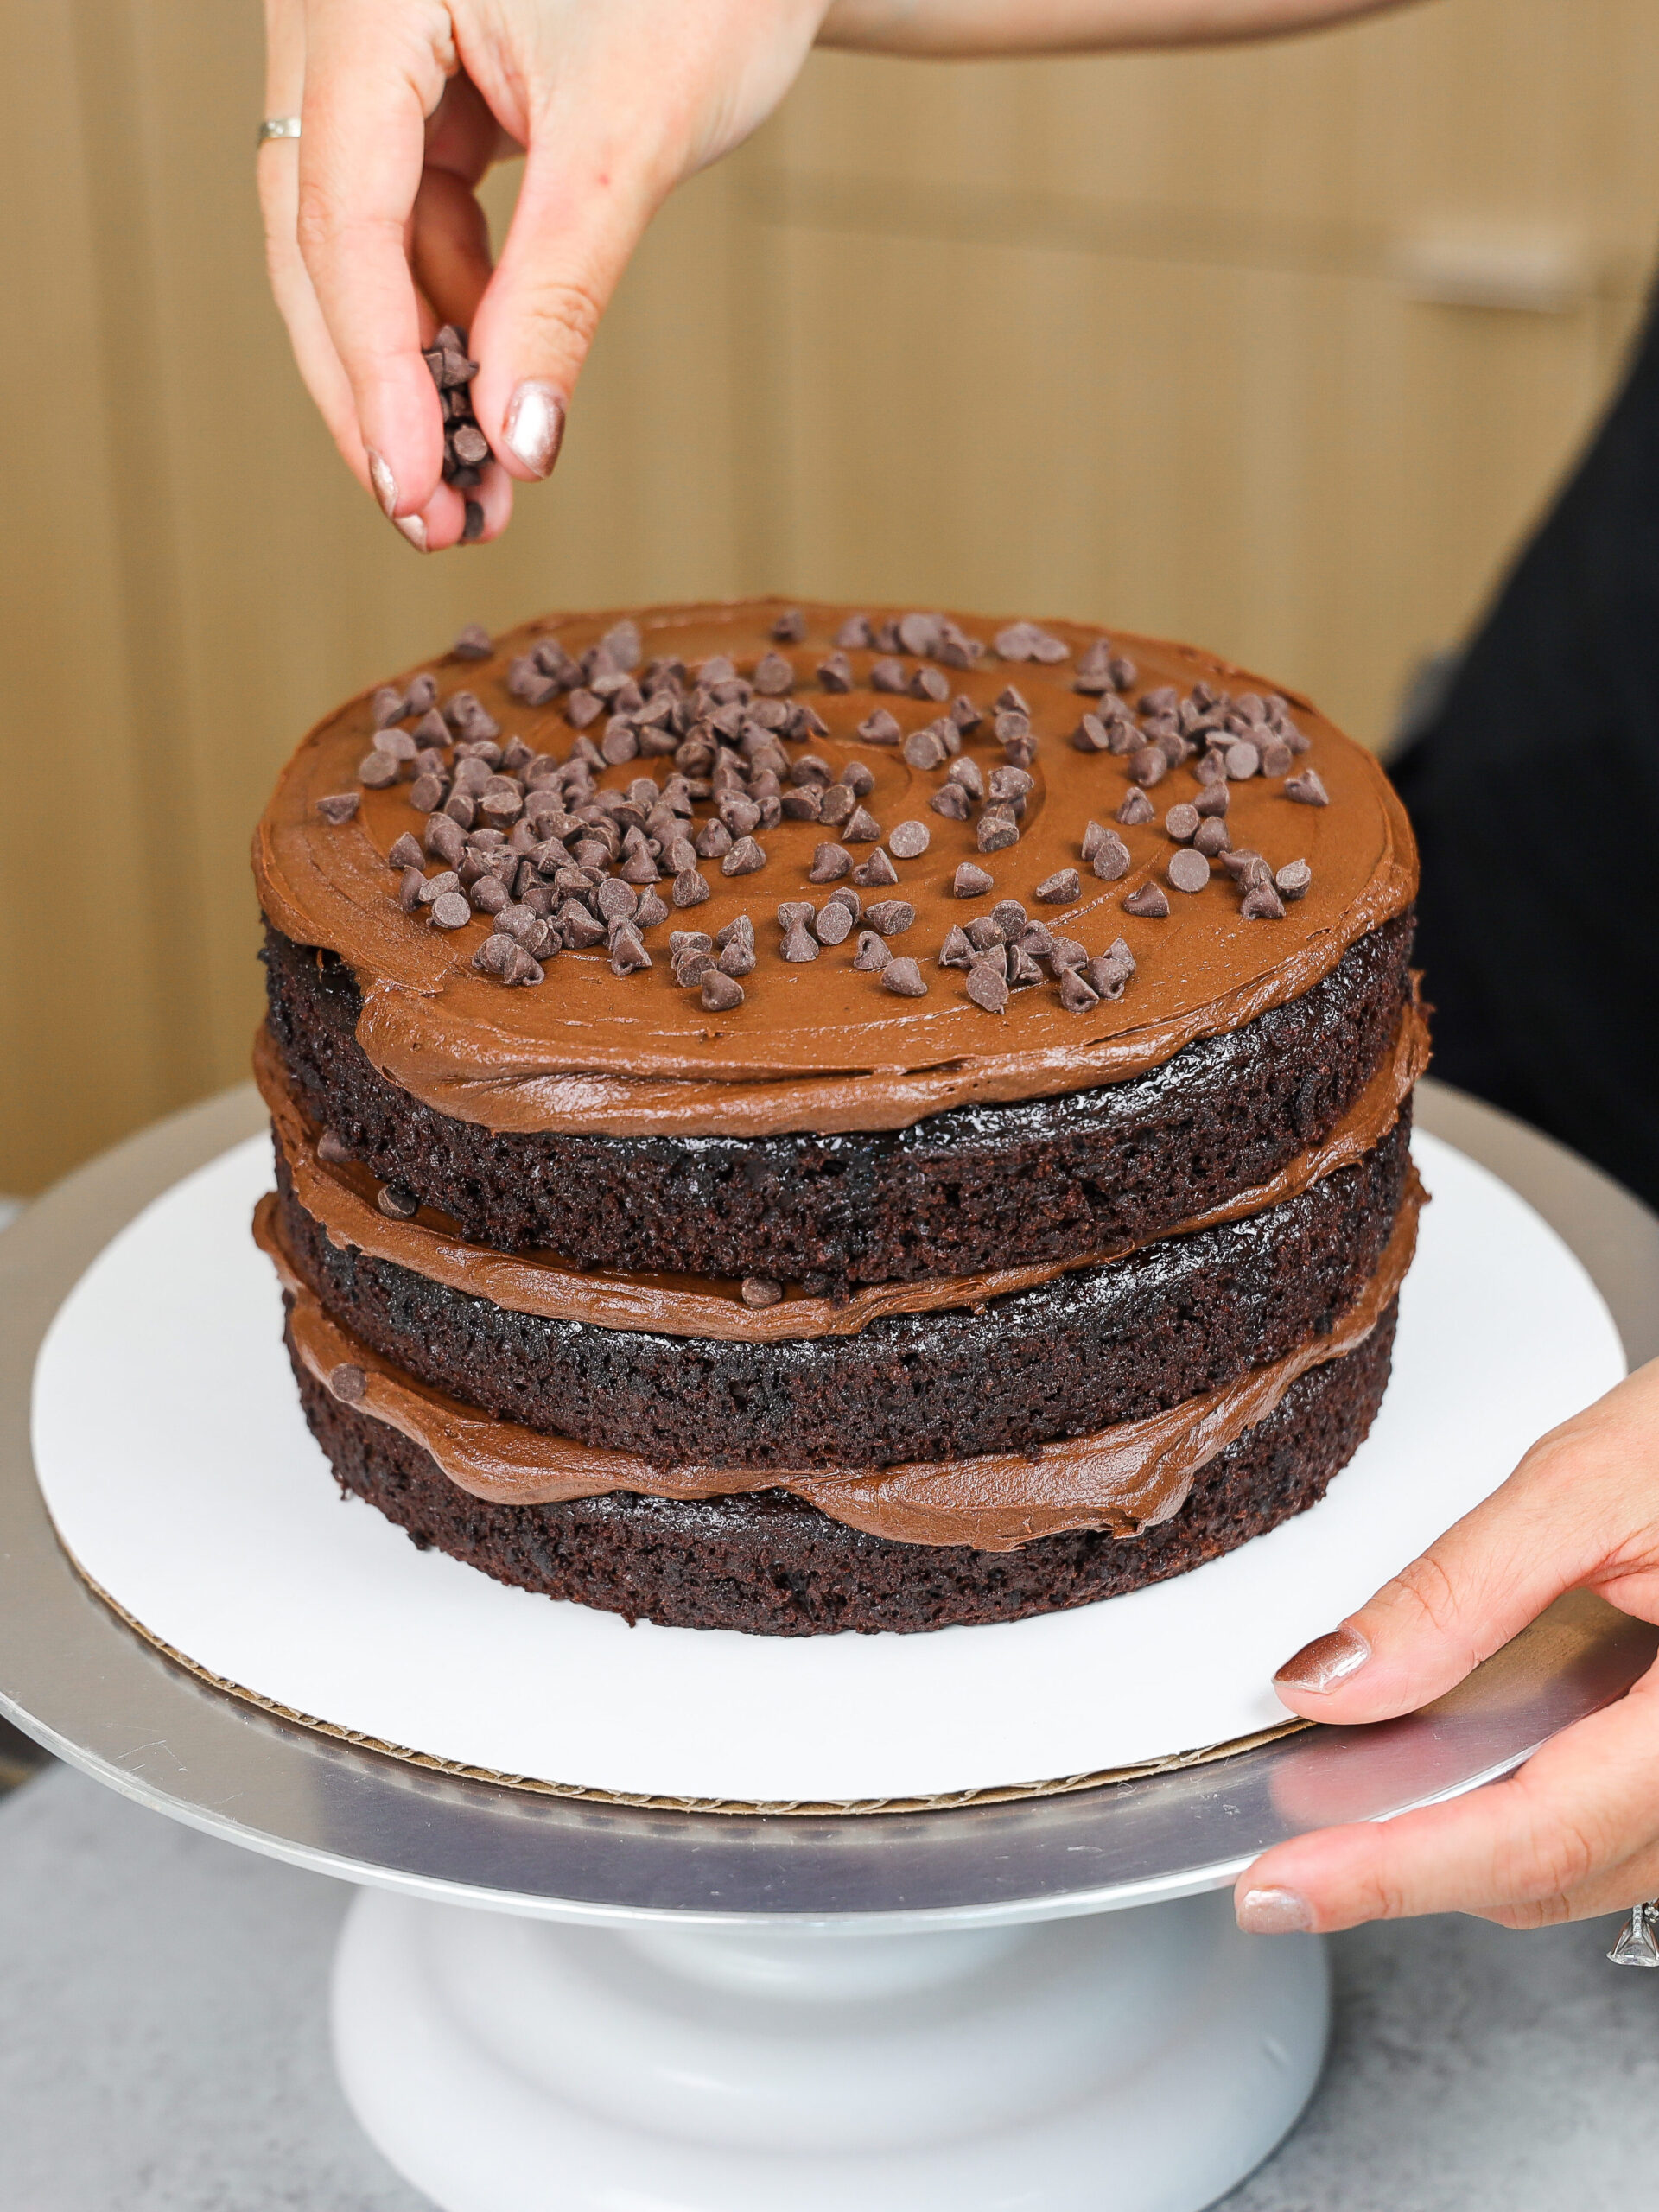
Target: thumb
{"x": 1557, "y": 1522}
{"x": 581, "y": 210}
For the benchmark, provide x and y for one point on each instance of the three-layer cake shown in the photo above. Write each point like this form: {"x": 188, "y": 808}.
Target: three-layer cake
{"x": 795, "y": 1119}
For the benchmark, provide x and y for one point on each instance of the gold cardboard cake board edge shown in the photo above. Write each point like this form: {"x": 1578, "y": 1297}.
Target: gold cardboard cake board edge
{"x": 1000, "y": 1794}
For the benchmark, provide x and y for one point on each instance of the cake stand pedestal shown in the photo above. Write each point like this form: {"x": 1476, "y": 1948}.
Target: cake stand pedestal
{"x": 547, "y": 2002}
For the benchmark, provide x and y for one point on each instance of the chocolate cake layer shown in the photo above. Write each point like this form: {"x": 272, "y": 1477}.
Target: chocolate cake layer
{"x": 995, "y": 1184}
{"x": 767, "y": 1564}
{"x": 1063, "y": 1358}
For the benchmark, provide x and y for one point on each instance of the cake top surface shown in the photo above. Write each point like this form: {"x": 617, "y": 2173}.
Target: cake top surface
{"x": 926, "y": 779}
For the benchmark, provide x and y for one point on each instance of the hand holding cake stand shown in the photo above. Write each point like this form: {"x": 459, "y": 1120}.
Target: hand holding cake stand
{"x": 578, "y": 2000}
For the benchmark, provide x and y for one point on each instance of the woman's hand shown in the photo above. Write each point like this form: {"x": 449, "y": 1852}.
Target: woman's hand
{"x": 1576, "y": 1830}
{"x": 375, "y": 237}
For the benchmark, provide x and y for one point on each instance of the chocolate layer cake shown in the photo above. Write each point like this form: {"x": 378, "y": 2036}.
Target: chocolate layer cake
{"x": 792, "y": 1119}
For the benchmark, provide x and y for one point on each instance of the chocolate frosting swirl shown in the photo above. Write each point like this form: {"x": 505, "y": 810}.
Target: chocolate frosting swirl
{"x": 1124, "y": 1479}
{"x": 821, "y": 1046}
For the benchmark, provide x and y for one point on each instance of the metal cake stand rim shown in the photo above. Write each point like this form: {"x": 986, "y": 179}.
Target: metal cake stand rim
{"x": 95, "y": 1692}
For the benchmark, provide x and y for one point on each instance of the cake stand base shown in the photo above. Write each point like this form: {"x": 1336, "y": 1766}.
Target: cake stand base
{"x": 1138, "y": 2061}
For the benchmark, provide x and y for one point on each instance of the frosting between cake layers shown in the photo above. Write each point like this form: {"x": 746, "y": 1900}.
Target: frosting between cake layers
{"x": 820, "y": 1046}
{"x": 1124, "y": 1479}
{"x": 342, "y": 1198}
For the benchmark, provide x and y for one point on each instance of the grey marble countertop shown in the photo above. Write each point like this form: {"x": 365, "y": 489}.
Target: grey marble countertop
{"x": 163, "y": 2045}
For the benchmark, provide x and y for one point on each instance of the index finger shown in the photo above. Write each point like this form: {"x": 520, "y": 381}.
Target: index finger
{"x": 373, "y": 72}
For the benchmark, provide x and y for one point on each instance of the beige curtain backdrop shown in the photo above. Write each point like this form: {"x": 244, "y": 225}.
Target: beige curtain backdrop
{"x": 1279, "y": 349}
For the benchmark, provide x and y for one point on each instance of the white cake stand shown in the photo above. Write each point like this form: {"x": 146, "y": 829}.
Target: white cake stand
{"x": 544, "y": 2002}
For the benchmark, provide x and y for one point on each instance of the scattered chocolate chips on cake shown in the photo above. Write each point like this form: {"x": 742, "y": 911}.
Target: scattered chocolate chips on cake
{"x": 1009, "y": 1041}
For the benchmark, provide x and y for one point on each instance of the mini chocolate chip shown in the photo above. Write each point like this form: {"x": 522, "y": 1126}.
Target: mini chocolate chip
{"x": 862, "y": 828}
{"x": 690, "y": 968}
{"x": 909, "y": 840}
{"x": 1023, "y": 970}
{"x": 757, "y": 1292}
{"x": 1066, "y": 952}
{"x": 1212, "y": 802}
{"x": 410, "y": 884}
{"x": 1110, "y": 971}
{"x": 1147, "y": 766}
{"x": 930, "y": 683}
{"x": 744, "y": 858}
{"x": 1135, "y": 810}
{"x": 615, "y": 899}
{"x": 578, "y": 928}
{"x": 1262, "y": 903}
{"x": 996, "y": 830}
{"x": 1181, "y": 822}
{"x": 952, "y": 801}
{"x": 790, "y": 911}
{"x": 800, "y": 943}
{"x": 891, "y": 917}
{"x": 923, "y": 749}
{"x": 650, "y": 910}
{"x": 1245, "y": 866}
{"x": 488, "y": 894}
{"x": 638, "y": 868}
{"x": 887, "y": 675}
{"x": 332, "y": 1149}
{"x": 903, "y": 977}
{"x": 1241, "y": 760}
{"x": 1078, "y": 995}
{"x": 830, "y": 864}
{"x": 397, "y": 1202}
{"x": 522, "y": 967}
{"x": 1010, "y": 918}
{"x": 971, "y": 883}
{"x": 451, "y": 912}
{"x": 1292, "y": 880}
{"x": 405, "y": 853}
{"x": 834, "y": 923}
{"x": 1061, "y": 888}
{"x": 721, "y": 993}
{"x": 1188, "y": 871}
{"x": 858, "y": 778}
{"x": 957, "y": 950}
{"x": 774, "y": 676}
{"x": 428, "y": 791}
{"x": 1110, "y": 857}
{"x": 836, "y": 672}
{"x": 1211, "y": 837}
{"x": 1276, "y": 757}
{"x": 984, "y": 931}
{"x": 987, "y": 985}
{"x": 348, "y": 1383}
{"x": 1307, "y": 790}
{"x": 876, "y": 873}
{"x": 473, "y": 643}
{"x": 628, "y": 953}
{"x": 1091, "y": 735}
{"x": 879, "y": 728}
{"x": 443, "y": 839}
{"x": 1149, "y": 902}
{"x": 338, "y": 807}
{"x": 436, "y": 886}
{"x": 740, "y": 927}
{"x": 802, "y": 805}
{"x": 872, "y": 953}
{"x": 713, "y": 840}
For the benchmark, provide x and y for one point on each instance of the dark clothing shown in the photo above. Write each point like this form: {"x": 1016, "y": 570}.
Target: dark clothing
{"x": 1535, "y": 795}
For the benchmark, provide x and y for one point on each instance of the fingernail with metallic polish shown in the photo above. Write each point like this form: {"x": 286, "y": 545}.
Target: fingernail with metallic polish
{"x": 1274, "y": 1912}
{"x": 1324, "y": 1662}
{"x": 413, "y": 528}
{"x": 384, "y": 483}
{"x": 534, "y": 426}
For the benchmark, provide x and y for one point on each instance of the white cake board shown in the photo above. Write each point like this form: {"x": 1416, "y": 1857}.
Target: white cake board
{"x": 180, "y": 1474}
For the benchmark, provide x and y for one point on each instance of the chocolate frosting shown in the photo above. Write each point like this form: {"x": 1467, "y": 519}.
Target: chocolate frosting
{"x": 342, "y": 1198}
{"x": 819, "y": 1045}
{"x": 1125, "y": 1479}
